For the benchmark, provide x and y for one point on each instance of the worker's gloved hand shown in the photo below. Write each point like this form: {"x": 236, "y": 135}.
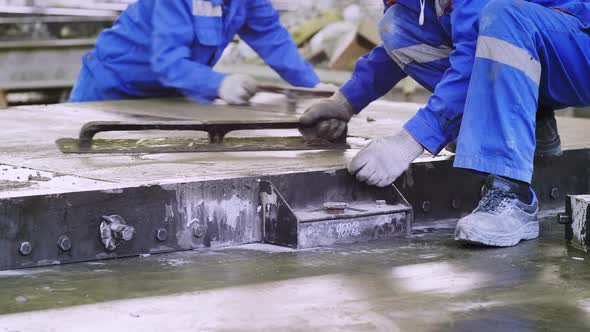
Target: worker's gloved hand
{"x": 237, "y": 89}
{"x": 384, "y": 159}
{"x": 326, "y": 120}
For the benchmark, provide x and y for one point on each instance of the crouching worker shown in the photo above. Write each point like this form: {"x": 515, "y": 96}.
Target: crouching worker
{"x": 163, "y": 48}
{"x": 497, "y": 70}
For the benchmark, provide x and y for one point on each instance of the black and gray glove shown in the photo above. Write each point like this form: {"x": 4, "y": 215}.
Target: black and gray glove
{"x": 327, "y": 119}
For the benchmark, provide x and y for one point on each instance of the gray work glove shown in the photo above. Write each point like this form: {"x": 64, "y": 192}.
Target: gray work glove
{"x": 237, "y": 89}
{"x": 384, "y": 159}
{"x": 327, "y": 119}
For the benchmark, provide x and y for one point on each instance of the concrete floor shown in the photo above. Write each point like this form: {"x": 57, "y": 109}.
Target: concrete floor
{"x": 424, "y": 283}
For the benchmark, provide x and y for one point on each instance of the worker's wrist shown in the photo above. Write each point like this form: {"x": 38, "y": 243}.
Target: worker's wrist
{"x": 411, "y": 148}
{"x": 343, "y": 104}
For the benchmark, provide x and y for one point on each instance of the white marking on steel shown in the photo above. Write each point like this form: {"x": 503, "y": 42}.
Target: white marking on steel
{"x": 348, "y": 229}
{"x": 579, "y": 210}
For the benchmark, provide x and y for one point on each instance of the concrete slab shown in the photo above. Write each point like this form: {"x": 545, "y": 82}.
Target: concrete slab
{"x": 29, "y": 132}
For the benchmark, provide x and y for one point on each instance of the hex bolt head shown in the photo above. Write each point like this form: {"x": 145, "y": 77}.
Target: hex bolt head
{"x": 25, "y": 248}
{"x": 161, "y": 234}
{"x": 555, "y": 193}
{"x": 127, "y": 234}
{"x": 426, "y": 206}
{"x": 64, "y": 243}
{"x": 456, "y": 204}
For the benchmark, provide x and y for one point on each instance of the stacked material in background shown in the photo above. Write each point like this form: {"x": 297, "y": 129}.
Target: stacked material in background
{"x": 330, "y": 34}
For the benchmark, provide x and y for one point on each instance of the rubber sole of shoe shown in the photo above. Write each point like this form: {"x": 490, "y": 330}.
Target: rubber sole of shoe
{"x": 469, "y": 234}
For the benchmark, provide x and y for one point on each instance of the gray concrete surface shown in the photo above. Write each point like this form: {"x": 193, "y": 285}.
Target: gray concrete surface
{"x": 29, "y": 134}
{"x": 424, "y": 283}
{"x": 23, "y": 144}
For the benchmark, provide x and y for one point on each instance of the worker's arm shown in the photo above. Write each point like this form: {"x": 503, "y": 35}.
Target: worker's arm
{"x": 173, "y": 35}
{"x": 265, "y": 34}
{"x": 374, "y": 75}
{"x": 437, "y": 124}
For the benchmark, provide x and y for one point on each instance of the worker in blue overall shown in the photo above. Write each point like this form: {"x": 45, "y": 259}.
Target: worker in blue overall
{"x": 497, "y": 70}
{"x": 163, "y": 48}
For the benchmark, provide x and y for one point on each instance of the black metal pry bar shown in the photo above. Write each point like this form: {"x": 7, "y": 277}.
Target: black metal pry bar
{"x": 294, "y": 94}
{"x": 215, "y": 142}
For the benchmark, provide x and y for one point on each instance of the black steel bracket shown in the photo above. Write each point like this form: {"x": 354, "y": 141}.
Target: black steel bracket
{"x": 343, "y": 211}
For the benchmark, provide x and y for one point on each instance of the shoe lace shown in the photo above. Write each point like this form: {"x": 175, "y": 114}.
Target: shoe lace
{"x": 495, "y": 200}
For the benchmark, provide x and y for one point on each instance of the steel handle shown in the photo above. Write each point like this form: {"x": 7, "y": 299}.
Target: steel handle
{"x": 216, "y": 131}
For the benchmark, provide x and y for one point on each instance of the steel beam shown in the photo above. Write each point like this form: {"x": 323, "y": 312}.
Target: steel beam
{"x": 41, "y": 65}
{"x": 78, "y": 225}
{"x": 60, "y": 11}
{"x": 55, "y": 28}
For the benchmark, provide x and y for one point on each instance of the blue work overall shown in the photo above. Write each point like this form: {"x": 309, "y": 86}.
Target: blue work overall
{"x": 160, "y": 48}
{"x": 490, "y": 65}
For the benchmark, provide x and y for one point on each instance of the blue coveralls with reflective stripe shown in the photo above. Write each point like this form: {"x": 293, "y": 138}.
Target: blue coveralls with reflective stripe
{"x": 490, "y": 65}
{"x": 159, "y": 48}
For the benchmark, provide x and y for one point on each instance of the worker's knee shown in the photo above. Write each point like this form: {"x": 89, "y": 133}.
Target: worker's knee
{"x": 398, "y": 32}
{"x": 391, "y": 31}
{"x": 498, "y": 14}
{"x": 390, "y": 27}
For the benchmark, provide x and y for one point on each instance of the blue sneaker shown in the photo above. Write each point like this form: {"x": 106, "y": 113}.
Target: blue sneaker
{"x": 501, "y": 219}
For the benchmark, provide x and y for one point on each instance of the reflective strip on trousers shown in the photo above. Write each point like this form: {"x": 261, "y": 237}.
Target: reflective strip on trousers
{"x": 420, "y": 53}
{"x": 505, "y": 53}
{"x": 206, "y": 8}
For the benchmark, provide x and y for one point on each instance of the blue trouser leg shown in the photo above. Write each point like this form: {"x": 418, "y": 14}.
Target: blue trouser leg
{"x": 422, "y": 53}
{"x": 527, "y": 55}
